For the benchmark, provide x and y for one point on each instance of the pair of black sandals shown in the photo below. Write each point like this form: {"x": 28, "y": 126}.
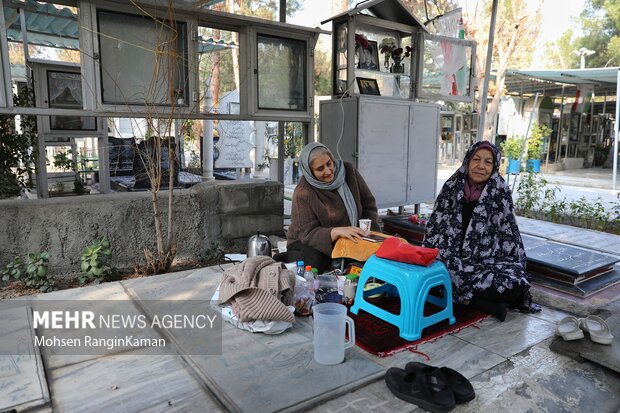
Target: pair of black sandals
{"x": 436, "y": 389}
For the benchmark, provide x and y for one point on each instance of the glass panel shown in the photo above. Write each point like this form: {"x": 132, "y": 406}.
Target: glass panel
{"x": 446, "y": 68}
{"x": 218, "y": 50}
{"x": 281, "y": 73}
{"x": 340, "y": 85}
{"x": 389, "y": 84}
{"x": 135, "y": 57}
{"x": 64, "y": 90}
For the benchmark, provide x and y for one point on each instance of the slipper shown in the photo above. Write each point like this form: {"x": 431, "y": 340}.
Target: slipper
{"x": 460, "y": 386}
{"x": 569, "y": 329}
{"x": 428, "y": 391}
{"x": 598, "y": 329}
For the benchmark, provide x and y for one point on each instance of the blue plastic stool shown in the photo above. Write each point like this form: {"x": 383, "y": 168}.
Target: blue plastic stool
{"x": 412, "y": 283}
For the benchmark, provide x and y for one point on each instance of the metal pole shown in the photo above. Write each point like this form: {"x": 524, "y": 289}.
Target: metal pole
{"x": 560, "y": 124}
{"x": 207, "y": 133}
{"x": 616, "y": 135}
{"x": 487, "y": 73}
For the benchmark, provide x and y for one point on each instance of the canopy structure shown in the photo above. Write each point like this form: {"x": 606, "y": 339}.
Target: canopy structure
{"x": 606, "y": 82}
{"x": 57, "y": 26}
{"x": 550, "y": 82}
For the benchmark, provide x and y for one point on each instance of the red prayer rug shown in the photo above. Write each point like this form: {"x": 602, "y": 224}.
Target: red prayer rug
{"x": 382, "y": 338}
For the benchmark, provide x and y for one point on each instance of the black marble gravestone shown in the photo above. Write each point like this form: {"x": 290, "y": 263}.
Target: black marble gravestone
{"x": 564, "y": 262}
{"x": 145, "y": 153}
{"x": 121, "y": 156}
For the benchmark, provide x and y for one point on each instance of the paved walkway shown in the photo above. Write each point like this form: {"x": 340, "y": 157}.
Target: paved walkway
{"x": 509, "y": 364}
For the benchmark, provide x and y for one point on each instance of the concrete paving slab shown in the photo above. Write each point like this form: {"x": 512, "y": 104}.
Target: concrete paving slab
{"x": 450, "y": 351}
{"x": 605, "y": 355}
{"x": 130, "y": 383}
{"x": 540, "y": 380}
{"x": 22, "y": 379}
{"x": 510, "y": 337}
{"x": 295, "y": 382}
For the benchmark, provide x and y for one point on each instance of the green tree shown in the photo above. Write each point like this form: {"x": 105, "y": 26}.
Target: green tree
{"x": 600, "y": 24}
{"x": 559, "y": 53}
{"x": 18, "y": 150}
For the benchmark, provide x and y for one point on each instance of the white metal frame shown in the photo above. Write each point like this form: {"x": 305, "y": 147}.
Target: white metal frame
{"x": 249, "y": 60}
{"x": 6, "y": 91}
{"x": 40, "y": 69}
{"x": 92, "y": 68}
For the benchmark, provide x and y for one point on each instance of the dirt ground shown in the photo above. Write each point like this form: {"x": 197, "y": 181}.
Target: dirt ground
{"x": 13, "y": 289}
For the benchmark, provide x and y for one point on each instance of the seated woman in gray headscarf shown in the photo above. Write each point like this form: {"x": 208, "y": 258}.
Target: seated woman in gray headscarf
{"x": 474, "y": 227}
{"x": 327, "y": 203}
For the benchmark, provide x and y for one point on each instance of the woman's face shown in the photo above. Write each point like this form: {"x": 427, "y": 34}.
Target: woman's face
{"x": 322, "y": 168}
{"x": 480, "y": 166}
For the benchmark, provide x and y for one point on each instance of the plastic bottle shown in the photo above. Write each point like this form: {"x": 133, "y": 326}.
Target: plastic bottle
{"x": 315, "y": 281}
{"x": 300, "y": 268}
{"x": 309, "y": 277}
{"x": 350, "y": 288}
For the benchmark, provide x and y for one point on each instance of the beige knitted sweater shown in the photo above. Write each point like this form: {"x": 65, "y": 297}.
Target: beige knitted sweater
{"x": 259, "y": 289}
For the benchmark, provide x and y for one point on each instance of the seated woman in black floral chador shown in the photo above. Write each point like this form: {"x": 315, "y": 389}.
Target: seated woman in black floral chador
{"x": 474, "y": 227}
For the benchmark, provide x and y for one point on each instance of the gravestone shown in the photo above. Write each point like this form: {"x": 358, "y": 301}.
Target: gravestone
{"x": 144, "y": 151}
{"x": 121, "y": 156}
{"x": 567, "y": 263}
{"x": 234, "y": 144}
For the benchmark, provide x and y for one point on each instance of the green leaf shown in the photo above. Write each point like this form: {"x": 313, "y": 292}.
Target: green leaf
{"x": 41, "y": 271}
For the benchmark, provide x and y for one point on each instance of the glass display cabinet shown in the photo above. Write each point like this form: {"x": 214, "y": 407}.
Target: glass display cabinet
{"x": 384, "y": 60}
{"x": 380, "y": 46}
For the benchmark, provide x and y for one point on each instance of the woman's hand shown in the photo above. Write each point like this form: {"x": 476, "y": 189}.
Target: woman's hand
{"x": 352, "y": 233}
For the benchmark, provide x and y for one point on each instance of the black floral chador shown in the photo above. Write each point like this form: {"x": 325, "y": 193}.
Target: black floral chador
{"x": 488, "y": 253}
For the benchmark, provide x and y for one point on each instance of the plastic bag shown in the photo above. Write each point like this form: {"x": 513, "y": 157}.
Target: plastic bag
{"x": 304, "y": 297}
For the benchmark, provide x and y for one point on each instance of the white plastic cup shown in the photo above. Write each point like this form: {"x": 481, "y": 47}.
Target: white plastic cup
{"x": 330, "y": 322}
{"x": 364, "y": 224}
{"x": 281, "y": 246}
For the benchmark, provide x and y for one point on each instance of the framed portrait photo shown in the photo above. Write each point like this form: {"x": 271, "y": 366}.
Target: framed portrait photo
{"x": 368, "y": 57}
{"x": 368, "y": 86}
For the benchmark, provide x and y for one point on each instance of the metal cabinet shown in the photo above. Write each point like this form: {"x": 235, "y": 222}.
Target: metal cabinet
{"x": 392, "y": 142}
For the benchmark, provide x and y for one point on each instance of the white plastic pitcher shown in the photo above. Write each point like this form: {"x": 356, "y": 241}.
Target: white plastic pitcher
{"x": 330, "y": 320}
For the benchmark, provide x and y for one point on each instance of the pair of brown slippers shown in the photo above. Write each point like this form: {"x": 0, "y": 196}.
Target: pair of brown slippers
{"x": 436, "y": 389}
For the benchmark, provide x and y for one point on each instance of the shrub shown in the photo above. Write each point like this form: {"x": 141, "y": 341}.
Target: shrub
{"x": 512, "y": 148}
{"x": 94, "y": 261}
{"x": 12, "y": 270}
{"x": 536, "y": 200}
{"x": 535, "y": 142}
{"x": 36, "y": 272}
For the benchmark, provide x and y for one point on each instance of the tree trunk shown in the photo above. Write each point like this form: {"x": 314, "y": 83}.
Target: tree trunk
{"x": 215, "y": 76}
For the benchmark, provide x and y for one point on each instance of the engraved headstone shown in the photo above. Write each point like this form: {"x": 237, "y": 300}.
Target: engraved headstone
{"x": 121, "y": 156}
{"x": 234, "y": 144}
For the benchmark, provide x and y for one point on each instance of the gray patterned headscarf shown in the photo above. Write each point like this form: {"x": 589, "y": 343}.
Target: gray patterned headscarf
{"x": 338, "y": 183}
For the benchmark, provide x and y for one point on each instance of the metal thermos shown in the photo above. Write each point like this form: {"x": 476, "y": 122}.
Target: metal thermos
{"x": 259, "y": 245}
